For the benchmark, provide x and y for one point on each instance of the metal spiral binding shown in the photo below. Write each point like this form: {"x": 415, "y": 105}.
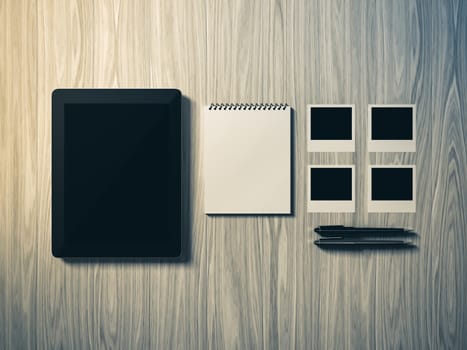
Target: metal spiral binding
{"x": 247, "y": 106}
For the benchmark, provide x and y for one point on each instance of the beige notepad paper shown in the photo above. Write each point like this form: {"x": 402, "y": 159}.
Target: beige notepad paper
{"x": 247, "y": 159}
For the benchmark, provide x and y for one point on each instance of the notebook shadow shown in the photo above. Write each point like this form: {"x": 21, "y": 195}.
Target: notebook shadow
{"x": 186, "y": 198}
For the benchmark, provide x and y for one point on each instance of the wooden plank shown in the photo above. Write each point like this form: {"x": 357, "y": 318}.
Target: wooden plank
{"x": 278, "y": 238}
{"x": 322, "y": 278}
{"x": 362, "y": 269}
{"x": 19, "y": 165}
{"x": 177, "y": 39}
{"x": 234, "y": 300}
{"x": 298, "y": 73}
{"x": 248, "y": 292}
{"x": 401, "y": 69}
{"x": 5, "y": 184}
{"x": 447, "y": 278}
{"x": 64, "y": 60}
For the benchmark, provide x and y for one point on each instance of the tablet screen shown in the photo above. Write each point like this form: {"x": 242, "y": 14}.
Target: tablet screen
{"x": 120, "y": 180}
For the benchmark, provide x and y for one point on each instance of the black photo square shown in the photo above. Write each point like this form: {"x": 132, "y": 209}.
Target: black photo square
{"x": 391, "y": 184}
{"x": 331, "y": 189}
{"x": 391, "y": 188}
{"x": 391, "y": 128}
{"x": 331, "y": 128}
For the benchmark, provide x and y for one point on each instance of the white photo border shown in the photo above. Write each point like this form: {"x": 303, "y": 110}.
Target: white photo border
{"x": 392, "y": 145}
{"x": 379, "y": 206}
{"x": 330, "y": 206}
{"x": 329, "y": 145}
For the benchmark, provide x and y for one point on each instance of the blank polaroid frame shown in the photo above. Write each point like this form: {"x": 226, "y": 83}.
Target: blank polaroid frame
{"x": 342, "y": 140}
{"x": 340, "y": 199}
{"x": 391, "y": 197}
{"x": 383, "y": 137}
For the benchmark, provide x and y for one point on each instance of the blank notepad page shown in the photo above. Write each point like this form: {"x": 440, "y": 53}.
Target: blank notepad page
{"x": 247, "y": 165}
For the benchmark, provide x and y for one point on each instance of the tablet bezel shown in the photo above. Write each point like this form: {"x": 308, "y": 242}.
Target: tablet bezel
{"x": 61, "y": 97}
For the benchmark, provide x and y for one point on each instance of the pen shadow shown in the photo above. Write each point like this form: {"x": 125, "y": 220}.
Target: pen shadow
{"x": 377, "y": 235}
{"x": 382, "y": 248}
{"x": 186, "y": 215}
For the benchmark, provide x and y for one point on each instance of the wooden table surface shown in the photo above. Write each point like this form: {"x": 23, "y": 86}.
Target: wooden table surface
{"x": 252, "y": 282}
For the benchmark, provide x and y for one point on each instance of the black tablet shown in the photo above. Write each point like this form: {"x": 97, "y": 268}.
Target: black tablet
{"x": 116, "y": 173}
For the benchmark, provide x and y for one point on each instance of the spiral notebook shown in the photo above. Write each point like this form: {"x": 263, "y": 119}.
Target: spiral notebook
{"x": 247, "y": 159}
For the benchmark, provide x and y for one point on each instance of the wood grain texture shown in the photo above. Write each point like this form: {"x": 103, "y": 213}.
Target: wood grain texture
{"x": 5, "y": 185}
{"x": 246, "y": 282}
{"x": 323, "y": 277}
{"x": 449, "y": 151}
{"x": 236, "y": 73}
{"x": 177, "y": 39}
{"x": 19, "y": 166}
{"x": 234, "y": 290}
{"x": 404, "y": 78}
{"x": 64, "y": 60}
{"x": 251, "y": 298}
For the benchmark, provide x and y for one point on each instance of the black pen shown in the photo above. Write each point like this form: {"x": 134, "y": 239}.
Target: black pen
{"x": 331, "y": 230}
{"x": 325, "y": 243}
